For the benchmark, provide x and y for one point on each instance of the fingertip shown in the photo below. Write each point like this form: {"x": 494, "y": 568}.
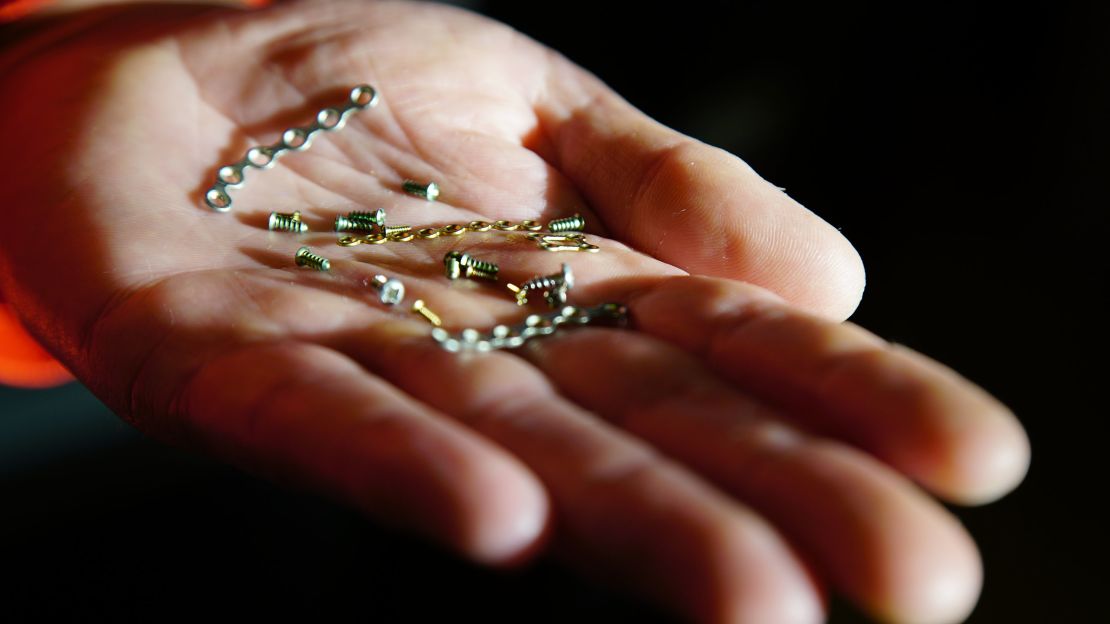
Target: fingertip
{"x": 511, "y": 525}
{"x": 936, "y": 582}
{"x": 820, "y": 270}
{"x": 979, "y": 451}
{"x": 762, "y": 580}
{"x": 987, "y": 462}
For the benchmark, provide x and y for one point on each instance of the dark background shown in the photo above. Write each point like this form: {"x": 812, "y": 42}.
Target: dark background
{"x": 961, "y": 147}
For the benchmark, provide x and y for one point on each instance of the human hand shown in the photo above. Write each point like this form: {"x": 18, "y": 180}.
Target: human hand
{"x": 730, "y": 457}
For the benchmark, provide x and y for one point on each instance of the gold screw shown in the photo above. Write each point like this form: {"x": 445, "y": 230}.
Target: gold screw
{"x": 418, "y": 307}
{"x": 390, "y": 230}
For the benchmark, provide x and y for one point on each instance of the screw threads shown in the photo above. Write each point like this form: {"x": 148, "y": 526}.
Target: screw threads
{"x": 458, "y": 264}
{"x": 419, "y": 307}
{"x": 544, "y": 282}
{"x": 390, "y": 230}
{"x": 479, "y": 266}
{"x": 285, "y": 222}
{"x": 554, "y": 287}
{"x": 306, "y": 258}
{"x": 429, "y": 191}
{"x": 567, "y": 224}
{"x": 473, "y": 271}
{"x": 360, "y": 221}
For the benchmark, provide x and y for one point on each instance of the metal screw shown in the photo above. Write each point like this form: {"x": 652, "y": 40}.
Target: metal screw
{"x": 360, "y": 221}
{"x": 458, "y": 264}
{"x": 306, "y": 258}
{"x": 285, "y": 222}
{"x": 391, "y": 290}
{"x": 479, "y": 265}
{"x": 554, "y": 287}
{"x": 390, "y": 230}
{"x": 567, "y": 224}
{"x": 418, "y": 307}
{"x": 429, "y": 191}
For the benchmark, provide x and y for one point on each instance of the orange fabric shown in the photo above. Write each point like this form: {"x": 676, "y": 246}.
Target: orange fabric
{"x": 22, "y": 361}
{"x": 11, "y": 10}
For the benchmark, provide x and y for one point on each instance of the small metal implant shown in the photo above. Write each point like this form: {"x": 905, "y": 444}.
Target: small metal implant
{"x": 360, "y": 221}
{"x": 567, "y": 224}
{"x": 419, "y": 307}
{"x": 554, "y": 287}
{"x": 286, "y": 222}
{"x": 429, "y": 191}
{"x": 306, "y": 258}
{"x": 457, "y": 264}
{"x": 391, "y": 290}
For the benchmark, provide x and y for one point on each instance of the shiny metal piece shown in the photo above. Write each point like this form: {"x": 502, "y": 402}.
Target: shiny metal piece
{"x": 419, "y": 307}
{"x": 554, "y": 287}
{"x": 482, "y": 265}
{"x": 294, "y": 139}
{"x": 535, "y": 325}
{"x": 567, "y": 224}
{"x": 286, "y": 222}
{"x": 452, "y": 268}
{"x": 392, "y": 230}
{"x": 390, "y": 290}
{"x": 457, "y": 264}
{"x": 306, "y": 258}
{"x": 570, "y": 241}
{"x": 360, "y": 221}
{"x": 566, "y": 241}
{"x": 428, "y": 191}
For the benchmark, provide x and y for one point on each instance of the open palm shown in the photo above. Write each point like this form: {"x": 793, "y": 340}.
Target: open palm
{"x": 729, "y": 457}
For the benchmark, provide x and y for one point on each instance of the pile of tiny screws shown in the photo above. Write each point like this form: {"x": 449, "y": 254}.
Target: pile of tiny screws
{"x": 559, "y": 235}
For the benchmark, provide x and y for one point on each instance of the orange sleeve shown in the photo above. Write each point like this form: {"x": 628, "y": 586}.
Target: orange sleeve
{"x": 11, "y": 10}
{"x": 22, "y": 361}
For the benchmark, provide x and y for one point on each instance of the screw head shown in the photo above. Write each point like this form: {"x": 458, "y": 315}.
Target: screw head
{"x": 568, "y": 276}
{"x": 390, "y": 290}
{"x": 452, "y": 265}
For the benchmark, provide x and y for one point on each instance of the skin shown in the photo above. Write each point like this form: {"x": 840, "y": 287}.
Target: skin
{"x": 734, "y": 458}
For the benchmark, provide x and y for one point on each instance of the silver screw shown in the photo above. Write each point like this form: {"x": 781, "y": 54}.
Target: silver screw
{"x": 391, "y": 290}
{"x": 458, "y": 264}
{"x": 360, "y": 221}
{"x": 554, "y": 287}
{"x": 429, "y": 191}
{"x": 306, "y": 258}
{"x": 567, "y": 224}
{"x": 286, "y": 222}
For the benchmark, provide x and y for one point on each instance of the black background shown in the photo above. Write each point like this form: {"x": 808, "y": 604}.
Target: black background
{"x": 961, "y": 147}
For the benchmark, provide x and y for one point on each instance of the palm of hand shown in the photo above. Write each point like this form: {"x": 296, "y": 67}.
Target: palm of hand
{"x": 709, "y": 458}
